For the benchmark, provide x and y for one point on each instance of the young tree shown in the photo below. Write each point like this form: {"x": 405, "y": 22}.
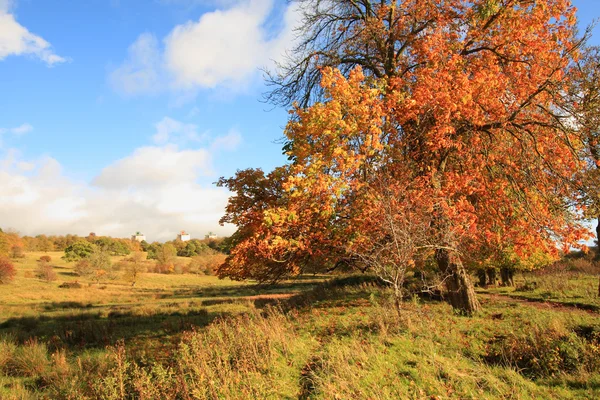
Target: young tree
{"x": 134, "y": 266}
{"x": 7, "y": 270}
{"x": 165, "y": 258}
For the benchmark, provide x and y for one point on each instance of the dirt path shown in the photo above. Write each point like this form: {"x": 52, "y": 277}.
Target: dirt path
{"x": 540, "y": 304}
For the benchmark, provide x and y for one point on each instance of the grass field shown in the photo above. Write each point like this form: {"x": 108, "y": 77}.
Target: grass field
{"x": 198, "y": 337}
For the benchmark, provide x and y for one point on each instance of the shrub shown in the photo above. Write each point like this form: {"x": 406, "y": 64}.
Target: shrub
{"x": 84, "y": 268}
{"x": 7, "y": 270}
{"x": 46, "y": 258}
{"x": 45, "y": 271}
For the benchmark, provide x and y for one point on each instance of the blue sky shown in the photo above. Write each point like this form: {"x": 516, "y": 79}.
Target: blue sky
{"x": 117, "y": 115}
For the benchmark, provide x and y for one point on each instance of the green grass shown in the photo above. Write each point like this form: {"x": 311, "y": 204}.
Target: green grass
{"x": 187, "y": 336}
{"x": 562, "y": 287}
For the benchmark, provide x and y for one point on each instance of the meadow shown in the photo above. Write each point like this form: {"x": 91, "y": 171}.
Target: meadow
{"x": 185, "y": 336}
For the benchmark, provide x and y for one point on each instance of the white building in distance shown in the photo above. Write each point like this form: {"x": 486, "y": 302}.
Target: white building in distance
{"x": 183, "y": 236}
{"x": 140, "y": 237}
{"x": 211, "y": 235}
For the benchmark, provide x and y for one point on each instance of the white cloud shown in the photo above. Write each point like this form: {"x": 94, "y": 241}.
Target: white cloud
{"x": 140, "y": 73}
{"x": 228, "y": 142}
{"x": 154, "y": 166}
{"x": 18, "y": 130}
{"x": 153, "y": 190}
{"x": 223, "y": 48}
{"x": 22, "y": 129}
{"x": 173, "y": 131}
{"x": 16, "y": 40}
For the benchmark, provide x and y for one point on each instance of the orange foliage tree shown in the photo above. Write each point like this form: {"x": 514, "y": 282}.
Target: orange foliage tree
{"x": 442, "y": 145}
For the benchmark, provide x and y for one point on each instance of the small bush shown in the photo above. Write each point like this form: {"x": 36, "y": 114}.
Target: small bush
{"x": 45, "y": 271}
{"x": 7, "y": 270}
{"x": 45, "y": 258}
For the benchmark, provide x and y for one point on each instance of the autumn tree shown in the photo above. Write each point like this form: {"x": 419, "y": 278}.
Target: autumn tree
{"x": 455, "y": 98}
{"x": 582, "y": 109}
{"x": 16, "y": 251}
{"x": 166, "y": 256}
{"x": 7, "y": 270}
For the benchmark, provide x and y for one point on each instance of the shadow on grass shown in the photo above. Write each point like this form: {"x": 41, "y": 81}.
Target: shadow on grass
{"x": 67, "y": 273}
{"x": 94, "y": 329}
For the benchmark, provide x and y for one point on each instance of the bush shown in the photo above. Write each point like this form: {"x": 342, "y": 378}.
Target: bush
{"x": 45, "y": 271}
{"x": 7, "y": 270}
{"x": 45, "y": 258}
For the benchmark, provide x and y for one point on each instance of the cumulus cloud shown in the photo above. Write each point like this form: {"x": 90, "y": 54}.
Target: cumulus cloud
{"x": 223, "y": 48}
{"x": 155, "y": 166}
{"x": 170, "y": 130}
{"x": 154, "y": 189}
{"x": 18, "y": 130}
{"x": 140, "y": 73}
{"x": 228, "y": 142}
{"x": 22, "y": 129}
{"x": 16, "y": 40}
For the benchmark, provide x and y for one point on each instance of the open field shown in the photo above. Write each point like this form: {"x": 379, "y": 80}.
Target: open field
{"x": 198, "y": 337}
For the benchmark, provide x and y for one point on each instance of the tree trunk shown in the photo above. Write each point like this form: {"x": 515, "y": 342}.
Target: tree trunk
{"x": 482, "y": 277}
{"x": 491, "y": 273}
{"x": 507, "y": 274}
{"x": 598, "y": 232}
{"x": 461, "y": 292}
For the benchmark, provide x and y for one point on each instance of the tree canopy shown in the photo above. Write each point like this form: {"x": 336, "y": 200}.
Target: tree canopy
{"x": 437, "y": 118}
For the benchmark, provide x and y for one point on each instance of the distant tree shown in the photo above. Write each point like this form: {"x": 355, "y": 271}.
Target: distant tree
{"x": 45, "y": 271}
{"x": 134, "y": 266}
{"x": 115, "y": 247}
{"x": 96, "y": 266}
{"x": 79, "y": 250}
{"x": 7, "y": 270}
{"x": 44, "y": 243}
{"x": 207, "y": 263}
{"x": 17, "y": 252}
{"x": 153, "y": 249}
{"x": 144, "y": 245}
{"x": 165, "y": 258}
